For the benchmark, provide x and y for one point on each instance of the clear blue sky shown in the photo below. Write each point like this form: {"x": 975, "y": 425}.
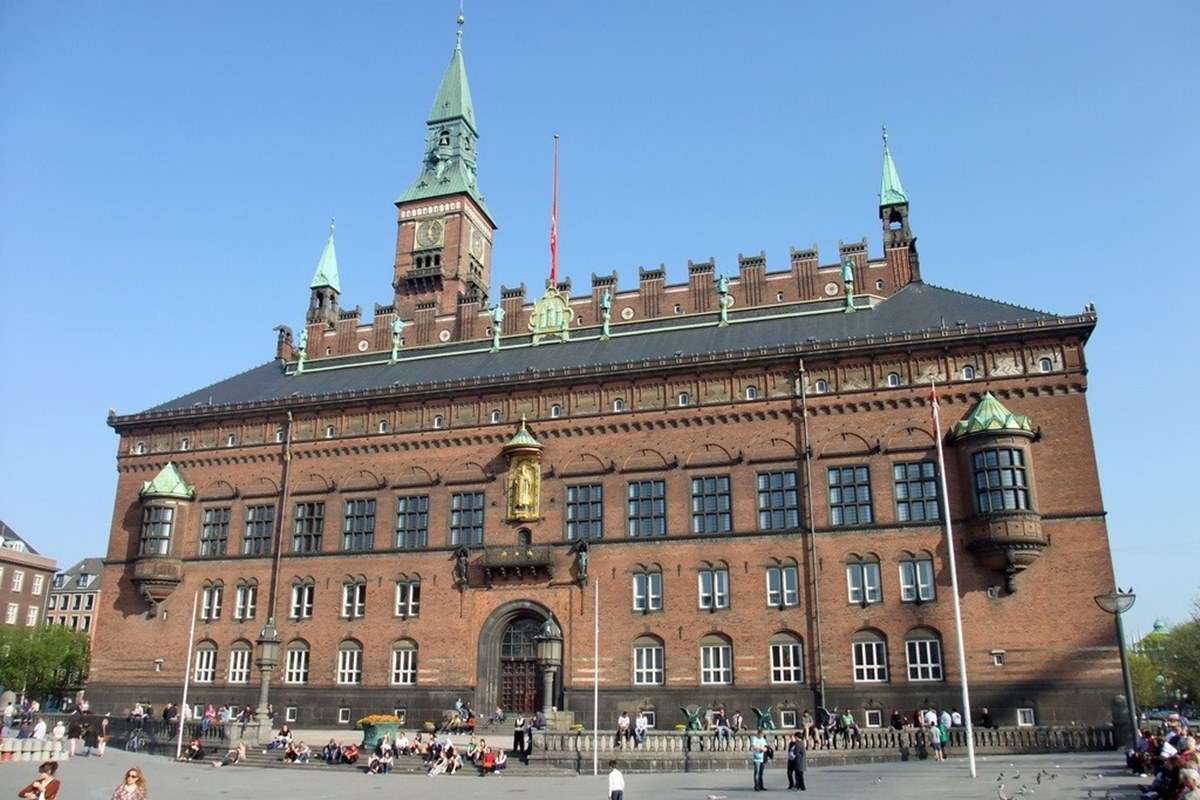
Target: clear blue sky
{"x": 168, "y": 169}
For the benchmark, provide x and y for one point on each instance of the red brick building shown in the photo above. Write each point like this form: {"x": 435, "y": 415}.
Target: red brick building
{"x": 748, "y": 460}
{"x": 24, "y": 580}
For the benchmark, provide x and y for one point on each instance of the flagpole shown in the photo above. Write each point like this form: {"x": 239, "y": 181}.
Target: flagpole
{"x": 554, "y": 221}
{"x": 596, "y": 684}
{"x": 187, "y": 676}
{"x": 958, "y": 626}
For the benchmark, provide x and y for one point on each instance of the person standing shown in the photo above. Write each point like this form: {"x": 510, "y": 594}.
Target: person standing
{"x": 758, "y": 755}
{"x": 39, "y": 729}
{"x": 133, "y": 787}
{"x": 74, "y": 732}
{"x": 528, "y": 739}
{"x": 796, "y": 762}
{"x": 519, "y": 735}
{"x": 616, "y": 782}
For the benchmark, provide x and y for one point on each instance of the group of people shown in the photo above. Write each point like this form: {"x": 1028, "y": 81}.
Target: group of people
{"x": 81, "y": 737}
{"x": 1171, "y": 757}
{"x": 47, "y": 787}
{"x": 631, "y": 730}
{"x": 761, "y": 752}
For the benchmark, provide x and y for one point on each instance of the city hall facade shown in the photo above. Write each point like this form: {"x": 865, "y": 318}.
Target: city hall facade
{"x": 743, "y": 467}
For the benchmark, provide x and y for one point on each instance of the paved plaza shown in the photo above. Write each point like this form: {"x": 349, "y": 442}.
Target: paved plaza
{"x": 1094, "y": 775}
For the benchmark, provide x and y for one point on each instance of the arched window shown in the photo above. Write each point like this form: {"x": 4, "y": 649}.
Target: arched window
{"x": 354, "y": 597}
{"x": 231, "y": 440}
{"x": 923, "y": 649}
{"x": 968, "y": 372}
{"x": 239, "y": 662}
{"x": 879, "y": 285}
{"x": 783, "y": 584}
{"x": 296, "y": 666}
{"x": 383, "y": 426}
{"x": 404, "y": 663}
{"x": 139, "y": 449}
{"x": 303, "y": 591}
{"x": 205, "y": 662}
{"x": 863, "y": 581}
{"x": 349, "y": 663}
{"x": 556, "y": 411}
{"x": 210, "y": 600}
{"x": 330, "y": 431}
{"x": 916, "y": 578}
{"x": 619, "y": 404}
{"x": 716, "y": 660}
{"x": 444, "y": 138}
{"x": 821, "y": 386}
{"x": 438, "y": 421}
{"x": 893, "y": 379}
{"x": 647, "y": 588}
{"x": 870, "y": 657}
{"x": 787, "y": 658}
{"x": 495, "y": 416}
{"x": 648, "y": 661}
{"x": 184, "y": 444}
{"x": 408, "y": 596}
{"x": 279, "y": 434}
{"x": 1046, "y": 365}
{"x": 751, "y": 392}
{"x": 685, "y": 399}
{"x": 712, "y": 586}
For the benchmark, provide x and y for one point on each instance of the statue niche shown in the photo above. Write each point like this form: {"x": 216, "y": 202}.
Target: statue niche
{"x": 524, "y": 481}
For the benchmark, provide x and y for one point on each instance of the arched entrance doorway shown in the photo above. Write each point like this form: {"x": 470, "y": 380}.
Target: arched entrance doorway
{"x": 508, "y": 673}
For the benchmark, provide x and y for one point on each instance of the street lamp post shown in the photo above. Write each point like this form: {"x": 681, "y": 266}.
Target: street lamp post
{"x": 1117, "y": 603}
{"x": 268, "y": 657}
{"x": 549, "y": 653}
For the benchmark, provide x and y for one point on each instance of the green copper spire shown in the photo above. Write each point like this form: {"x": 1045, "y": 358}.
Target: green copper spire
{"x": 451, "y": 138}
{"x": 523, "y": 438}
{"x": 991, "y": 416}
{"x": 168, "y": 482}
{"x": 891, "y": 191}
{"x": 327, "y": 268}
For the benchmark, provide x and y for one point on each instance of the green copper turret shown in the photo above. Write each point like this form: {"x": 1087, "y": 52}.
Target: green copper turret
{"x": 891, "y": 191}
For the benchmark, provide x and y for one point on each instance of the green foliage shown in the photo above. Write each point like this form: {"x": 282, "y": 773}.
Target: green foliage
{"x": 43, "y": 659}
{"x": 1142, "y": 672}
{"x": 1174, "y": 654}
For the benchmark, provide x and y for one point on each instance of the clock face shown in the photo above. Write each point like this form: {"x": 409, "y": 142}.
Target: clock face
{"x": 477, "y": 244}
{"x": 430, "y": 233}
{"x": 831, "y": 289}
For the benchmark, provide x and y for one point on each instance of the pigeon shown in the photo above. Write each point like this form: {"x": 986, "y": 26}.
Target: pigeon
{"x": 879, "y": 780}
{"x": 1000, "y": 777}
{"x": 1017, "y": 775}
{"x": 1000, "y": 793}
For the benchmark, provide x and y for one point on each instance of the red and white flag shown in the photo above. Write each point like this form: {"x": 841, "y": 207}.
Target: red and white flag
{"x": 554, "y": 221}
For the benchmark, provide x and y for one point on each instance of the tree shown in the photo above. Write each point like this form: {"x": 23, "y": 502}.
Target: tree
{"x": 1142, "y": 672}
{"x": 43, "y": 659}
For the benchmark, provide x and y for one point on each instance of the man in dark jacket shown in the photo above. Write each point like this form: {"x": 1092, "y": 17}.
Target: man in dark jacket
{"x": 796, "y": 762}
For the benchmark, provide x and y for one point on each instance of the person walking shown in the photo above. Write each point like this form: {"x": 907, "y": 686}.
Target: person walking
{"x": 796, "y": 762}
{"x": 102, "y": 736}
{"x": 616, "y": 782}
{"x": 74, "y": 732}
{"x": 133, "y": 787}
{"x": 758, "y": 755}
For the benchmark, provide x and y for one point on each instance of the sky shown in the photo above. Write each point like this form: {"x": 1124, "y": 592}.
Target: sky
{"x": 168, "y": 171}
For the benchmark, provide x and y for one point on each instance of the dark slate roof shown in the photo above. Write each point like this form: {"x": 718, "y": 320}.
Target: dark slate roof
{"x": 88, "y": 566}
{"x": 7, "y": 534}
{"x": 914, "y": 308}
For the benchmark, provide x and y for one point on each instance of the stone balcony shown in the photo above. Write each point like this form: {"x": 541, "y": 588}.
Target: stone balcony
{"x": 516, "y": 562}
{"x": 1007, "y": 542}
{"x": 156, "y": 577}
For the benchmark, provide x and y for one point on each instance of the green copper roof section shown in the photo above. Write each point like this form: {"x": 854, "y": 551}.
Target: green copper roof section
{"x": 327, "y": 268}
{"x": 523, "y": 438}
{"x": 454, "y": 95}
{"x": 891, "y": 191}
{"x": 168, "y": 482}
{"x": 991, "y": 416}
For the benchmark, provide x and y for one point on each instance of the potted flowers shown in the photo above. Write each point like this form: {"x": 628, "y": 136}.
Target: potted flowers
{"x": 376, "y": 726}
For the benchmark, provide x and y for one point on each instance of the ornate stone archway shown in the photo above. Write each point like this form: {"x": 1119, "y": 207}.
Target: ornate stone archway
{"x": 491, "y": 635}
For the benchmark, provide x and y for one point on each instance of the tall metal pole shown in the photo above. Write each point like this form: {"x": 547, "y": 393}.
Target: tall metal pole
{"x": 187, "y": 676}
{"x": 596, "y": 684}
{"x": 814, "y": 576}
{"x": 1130, "y": 700}
{"x": 958, "y": 627}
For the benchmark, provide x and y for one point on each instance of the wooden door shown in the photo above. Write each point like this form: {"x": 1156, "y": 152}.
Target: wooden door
{"x": 518, "y": 685}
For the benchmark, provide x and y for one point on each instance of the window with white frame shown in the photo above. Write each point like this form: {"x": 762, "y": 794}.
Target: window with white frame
{"x": 296, "y": 668}
{"x": 684, "y": 399}
{"x": 555, "y": 411}
{"x": 438, "y": 421}
{"x": 349, "y": 668}
{"x": 52, "y": 602}
{"x": 968, "y": 372}
{"x": 10, "y": 613}
{"x": 404, "y": 663}
{"x": 279, "y": 433}
{"x": 1025, "y": 718}
{"x": 343, "y": 715}
{"x": 1046, "y": 365}
{"x": 383, "y": 426}
{"x": 647, "y": 591}
{"x": 787, "y": 718}
{"x": 716, "y": 660}
{"x": 239, "y": 663}
{"x": 651, "y": 717}
{"x": 648, "y": 661}
{"x": 893, "y": 379}
{"x": 38, "y": 581}
{"x": 783, "y": 586}
{"x": 302, "y": 600}
{"x": 18, "y": 580}
{"x": 923, "y": 649}
{"x": 916, "y": 579}
{"x": 874, "y": 718}
{"x": 354, "y": 599}
{"x": 618, "y": 404}
{"x": 495, "y": 415}
{"x": 245, "y": 601}
{"x": 210, "y": 602}
{"x": 713, "y": 588}
{"x": 999, "y": 657}
{"x": 787, "y": 659}
{"x": 751, "y": 392}
{"x": 863, "y": 581}
{"x": 821, "y": 386}
{"x": 408, "y": 597}
{"x": 291, "y": 713}
{"x": 31, "y": 616}
{"x": 206, "y": 663}
{"x": 870, "y": 658}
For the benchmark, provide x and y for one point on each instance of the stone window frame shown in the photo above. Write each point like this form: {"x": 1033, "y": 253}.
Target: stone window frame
{"x": 358, "y": 524}
{"x": 839, "y": 505}
{"x": 923, "y": 655}
{"x": 863, "y": 567}
{"x": 771, "y": 504}
{"x": 653, "y": 673}
{"x": 214, "y": 546}
{"x": 593, "y": 518}
{"x": 910, "y": 492}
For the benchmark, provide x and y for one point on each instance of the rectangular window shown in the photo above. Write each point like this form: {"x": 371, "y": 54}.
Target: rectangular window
{"x": 239, "y": 665}
{"x": 297, "y": 666}
{"x": 647, "y": 591}
{"x": 585, "y": 511}
{"x": 466, "y": 518}
{"x": 214, "y": 531}
{"x": 778, "y": 501}
{"x": 870, "y": 662}
{"x": 863, "y": 583}
{"x": 716, "y": 664}
{"x": 1000, "y": 480}
{"x": 874, "y": 718}
{"x": 206, "y": 665}
{"x": 412, "y": 522}
{"x": 156, "y": 530}
{"x": 210, "y": 603}
{"x": 74, "y": 622}
{"x": 850, "y": 496}
{"x": 302, "y": 601}
{"x": 647, "y": 508}
{"x": 260, "y": 530}
{"x": 651, "y": 717}
{"x": 31, "y": 616}
{"x": 404, "y": 666}
{"x": 783, "y": 586}
{"x": 343, "y": 715}
{"x": 787, "y": 664}
{"x": 52, "y": 602}
{"x": 787, "y": 718}
{"x": 358, "y": 532}
{"x": 998, "y": 658}
{"x": 1025, "y": 718}
{"x": 85, "y": 623}
{"x": 290, "y": 714}
{"x": 310, "y": 527}
{"x": 714, "y": 588}
{"x": 916, "y": 581}
{"x": 408, "y": 598}
{"x": 76, "y": 602}
{"x": 354, "y": 600}
{"x": 924, "y": 659}
{"x": 89, "y": 601}
{"x": 711, "y": 507}
{"x": 648, "y": 665}
{"x": 916, "y": 491}
{"x": 38, "y": 580}
{"x": 349, "y": 671}
{"x": 245, "y": 601}
{"x": 10, "y": 613}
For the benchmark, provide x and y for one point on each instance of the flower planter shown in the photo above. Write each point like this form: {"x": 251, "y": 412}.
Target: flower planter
{"x": 373, "y": 732}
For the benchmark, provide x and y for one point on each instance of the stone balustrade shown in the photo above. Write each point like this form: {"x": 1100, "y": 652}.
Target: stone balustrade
{"x": 37, "y": 750}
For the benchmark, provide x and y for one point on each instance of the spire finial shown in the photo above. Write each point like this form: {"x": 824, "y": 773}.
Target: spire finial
{"x": 884, "y": 127}
{"x": 331, "y": 225}
{"x": 461, "y": 20}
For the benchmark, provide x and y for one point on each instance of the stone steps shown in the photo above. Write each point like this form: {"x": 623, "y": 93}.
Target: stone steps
{"x": 404, "y": 765}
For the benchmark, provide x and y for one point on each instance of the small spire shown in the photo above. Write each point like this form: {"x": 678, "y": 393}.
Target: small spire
{"x": 891, "y": 191}
{"x": 327, "y": 267}
{"x": 461, "y": 20}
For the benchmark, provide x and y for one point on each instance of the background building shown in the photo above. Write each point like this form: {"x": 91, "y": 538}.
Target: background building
{"x": 24, "y": 580}
{"x": 74, "y": 594}
{"x": 742, "y": 466}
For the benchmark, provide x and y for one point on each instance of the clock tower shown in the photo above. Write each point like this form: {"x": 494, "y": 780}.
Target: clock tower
{"x": 444, "y": 236}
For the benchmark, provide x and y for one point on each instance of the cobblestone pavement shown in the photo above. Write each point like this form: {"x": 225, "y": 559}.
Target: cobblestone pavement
{"x": 1078, "y": 777}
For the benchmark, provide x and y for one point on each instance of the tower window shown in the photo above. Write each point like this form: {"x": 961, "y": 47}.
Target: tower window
{"x": 678, "y": 309}
{"x": 184, "y": 444}
{"x": 685, "y": 399}
{"x": 821, "y": 386}
{"x": 619, "y": 404}
{"x": 1046, "y": 365}
{"x": 893, "y": 379}
{"x": 383, "y": 426}
{"x": 279, "y": 433}
{"x": 330, "y": 431}
{"x": 444, "y": 139}
{"x": 556, "y": 411}
{"x": 751, "y": 392}
{"x": 879, "y": 285}
{"x": 139, "y": 448}
{"x": 495, "y": 416}
{"x": 968, "y": 372}
{"x": 779, "y": 297}
{"x": 438, "y": 421}
{"x": 231, "y": 440}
